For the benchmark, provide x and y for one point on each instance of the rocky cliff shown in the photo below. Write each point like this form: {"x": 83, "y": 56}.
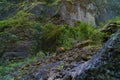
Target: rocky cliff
{"x": 69, "y": 11}
{"x": 40, "y": 46}
{"x": 76, "y": 65}
{"x": 88, "y": 11}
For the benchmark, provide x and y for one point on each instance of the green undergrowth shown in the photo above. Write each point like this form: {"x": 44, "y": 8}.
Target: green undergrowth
{"x": 55, "y": 36}
{"x": 9, "y": 67}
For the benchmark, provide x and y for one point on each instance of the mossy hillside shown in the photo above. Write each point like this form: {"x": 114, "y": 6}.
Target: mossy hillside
{"x": 20, "y": 19}
{"x": 9, "y": 8}
{"x": 19, "y": 34}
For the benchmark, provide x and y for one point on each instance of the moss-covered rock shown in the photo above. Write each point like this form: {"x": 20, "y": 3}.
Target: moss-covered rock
{"x": 109, "y": 29}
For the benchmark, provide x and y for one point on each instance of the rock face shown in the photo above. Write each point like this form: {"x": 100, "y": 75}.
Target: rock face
{"x": 109, "y": 29}
{"x": 80, "y": 11}
{"x": 102, "y": 66}
{"x": 18, "y": 42}
{"x": 87, "y": 11}
{"x": 41, "y": 11}
{"x": 69, "y": 11}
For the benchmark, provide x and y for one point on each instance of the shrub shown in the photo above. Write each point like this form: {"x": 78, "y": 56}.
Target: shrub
{"x": 66, "y": 37}
{"x": 49, "y": 37}
{"x": 23, "y": 19}
{"x": 55, "y": 36}
{"x": 87, "y": 31}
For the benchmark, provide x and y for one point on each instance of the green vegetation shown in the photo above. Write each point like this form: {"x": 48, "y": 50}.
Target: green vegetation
{"x": 20, "y": 19}
{"x": 12, "y": 64}
{"x": 50, "y": 2}
{"x": 22, "y": 27}
{"x": 33, "y": 35}
{"x": 117, "y": 20}
{"x": 61, "y": 66}
{"x": 19, "y": 34}
{"x": 15, "y": 32}
{"x": 63, "y": 36}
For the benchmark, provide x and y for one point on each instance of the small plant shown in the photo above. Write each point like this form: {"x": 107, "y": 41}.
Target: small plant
{"x": 41, "y": 55}
{"x": 49, "y": 37}
{"x": 61, "y": 66}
